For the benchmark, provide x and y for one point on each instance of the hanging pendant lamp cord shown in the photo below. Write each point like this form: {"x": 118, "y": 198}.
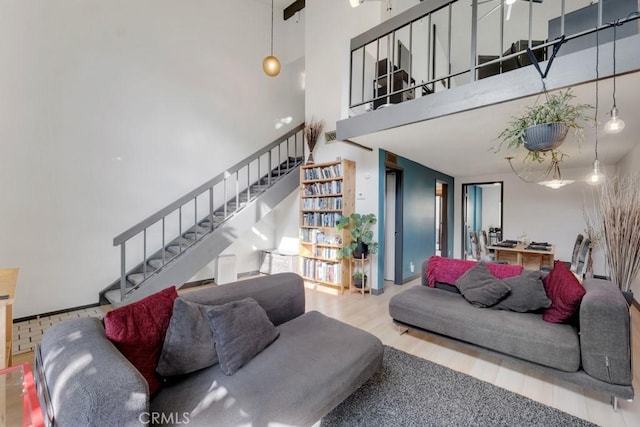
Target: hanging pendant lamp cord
{"x": 597, "y": 79}
{"x": 272, "y": 31}
{"x": 615, "y": 25}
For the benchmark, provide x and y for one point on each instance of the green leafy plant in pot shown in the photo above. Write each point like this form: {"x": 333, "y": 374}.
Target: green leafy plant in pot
{"x": 359, "y": 227}
{"x": 359, "y": 279}
{"x": 543, "y": 128}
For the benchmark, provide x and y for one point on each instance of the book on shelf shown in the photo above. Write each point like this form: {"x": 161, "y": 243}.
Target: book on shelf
{"x": 328, "y": 172}
{"x": 320, "y": 219}
{"x": 324, "y": 271}
{"x": 322, "y": 188}
{"x": 322, "y": 203}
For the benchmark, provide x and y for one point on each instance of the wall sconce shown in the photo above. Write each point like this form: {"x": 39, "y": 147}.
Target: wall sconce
{"x": 615, "y": 124}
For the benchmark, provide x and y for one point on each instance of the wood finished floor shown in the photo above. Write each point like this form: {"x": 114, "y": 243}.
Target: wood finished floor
{"x": 371, "y": 314}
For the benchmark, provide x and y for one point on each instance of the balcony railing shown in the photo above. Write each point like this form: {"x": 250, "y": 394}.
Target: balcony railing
{"x": 443, "y": 44}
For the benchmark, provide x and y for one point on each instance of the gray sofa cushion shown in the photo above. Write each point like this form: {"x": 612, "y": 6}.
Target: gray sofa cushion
{"x": 480, "y": 287}
{"x": 313, "y": 366}
{"x": 523, "y": 335}
{"x": 281, "y": 295}
{"x": 90, "y": 382}
{"x": 188, "y": 344}
{"x": 241, "y": 330}
{"x": 527, "y": 293}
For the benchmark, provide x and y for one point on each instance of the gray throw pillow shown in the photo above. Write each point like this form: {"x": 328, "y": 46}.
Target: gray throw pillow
{"x": 188, "y": 344}
{"x": 527, "y": 293}
{"x": 480, "y": 287}
{"x": 241, "y": 330}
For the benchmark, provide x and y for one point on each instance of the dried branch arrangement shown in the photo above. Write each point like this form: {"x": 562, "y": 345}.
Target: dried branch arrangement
{"x": 312, "y": 131}
{"x": 619, "y": 214}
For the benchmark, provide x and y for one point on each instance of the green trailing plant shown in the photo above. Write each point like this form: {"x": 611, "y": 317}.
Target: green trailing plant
{"x": 359, "y": 227}
{"x": 558, "y": 108}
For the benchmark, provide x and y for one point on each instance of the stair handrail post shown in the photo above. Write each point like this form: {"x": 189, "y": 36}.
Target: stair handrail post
{"x": 248, "y": 182}
{"x": 195, "y": 217}
{"x": 123, "y": 271}
{"x": 237, "y": 190}
{"x": 211, "y": 208}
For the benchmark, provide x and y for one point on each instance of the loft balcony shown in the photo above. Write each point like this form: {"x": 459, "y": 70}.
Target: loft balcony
{"x": 443, "y": 57}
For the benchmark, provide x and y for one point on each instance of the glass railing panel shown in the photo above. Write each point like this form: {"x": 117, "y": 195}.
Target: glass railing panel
{"x": 440, "y": 37}
{"x": 461, "y": 38}
{"x": 420, "y": 54}
{"x": 357, "y": 78}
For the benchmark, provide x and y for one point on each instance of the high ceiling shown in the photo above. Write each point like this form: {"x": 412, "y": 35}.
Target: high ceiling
{"x": 464, "y": 144}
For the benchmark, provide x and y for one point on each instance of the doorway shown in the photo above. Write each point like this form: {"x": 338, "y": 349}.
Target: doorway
{"x": 481, "y": 215}
{"x": 393, "y": 226}
{"x": 442, "y": 215}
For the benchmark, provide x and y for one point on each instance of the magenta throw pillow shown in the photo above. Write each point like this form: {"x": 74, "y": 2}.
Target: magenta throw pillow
{"x": 565, "y": 292}
{"x": 449, "y": 270}
{"x": 138, "y": 330}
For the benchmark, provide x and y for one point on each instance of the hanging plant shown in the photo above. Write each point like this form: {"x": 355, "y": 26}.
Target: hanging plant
{"x": 543, "y": 128}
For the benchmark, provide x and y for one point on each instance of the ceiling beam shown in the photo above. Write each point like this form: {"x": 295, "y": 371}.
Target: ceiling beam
{"x": 293, "y": 8}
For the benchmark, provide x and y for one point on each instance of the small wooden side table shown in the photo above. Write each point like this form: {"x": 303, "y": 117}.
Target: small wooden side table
{"x": 19, "y": 404}
{"x": 360, "y": 264}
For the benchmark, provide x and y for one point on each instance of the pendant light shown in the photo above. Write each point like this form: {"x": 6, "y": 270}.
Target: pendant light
{"x": 615, "y": 124}
{"x": 596, "y": 177}
{"x": 271, "y": 64}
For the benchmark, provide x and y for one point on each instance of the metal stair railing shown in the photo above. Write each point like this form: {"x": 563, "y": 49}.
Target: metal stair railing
{"x": 248, "y": 178}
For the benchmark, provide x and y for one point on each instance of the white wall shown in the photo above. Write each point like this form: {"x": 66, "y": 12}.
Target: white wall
{"x": 330, "y": 25}
{"x": 111, "y": 110}
{"x": 546, "y": 215}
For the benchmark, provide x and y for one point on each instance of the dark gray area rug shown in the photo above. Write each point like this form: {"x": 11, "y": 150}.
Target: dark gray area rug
{"x": 410, "y": 391}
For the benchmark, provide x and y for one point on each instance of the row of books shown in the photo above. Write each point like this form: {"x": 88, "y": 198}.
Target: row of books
{"x": 312, "y": 235}
{"x": 329, "y": 253}
{"x": 320, "y": 219}
{"x": 334, "y": 171}
{"x": 320, "y": 270}
{"x": 330, "y": 187}
{"x": 322, "y": 203}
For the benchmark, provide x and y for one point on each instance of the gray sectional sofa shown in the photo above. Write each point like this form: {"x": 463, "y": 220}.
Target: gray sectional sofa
{"x": 314, "y": 364}
{"x": 593, "y": 352}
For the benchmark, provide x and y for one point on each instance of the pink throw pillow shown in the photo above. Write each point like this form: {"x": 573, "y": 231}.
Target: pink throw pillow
{"x": 449, "y": 270}
{"x": 138, "y": 330}
{"x": 565, "y": 293}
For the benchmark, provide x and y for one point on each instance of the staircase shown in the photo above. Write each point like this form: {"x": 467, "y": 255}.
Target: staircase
{"x": 204, "y": 222}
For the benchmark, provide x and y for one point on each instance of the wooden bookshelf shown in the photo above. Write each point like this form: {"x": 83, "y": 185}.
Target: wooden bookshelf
{"x": 327, "y": 193}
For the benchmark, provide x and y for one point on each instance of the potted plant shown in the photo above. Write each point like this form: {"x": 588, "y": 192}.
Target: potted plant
{"x": 359, "y": 279}
{"x": 543, "y": 127}
{"x": 618, "y": 210}
{"x": 359, "y": 227}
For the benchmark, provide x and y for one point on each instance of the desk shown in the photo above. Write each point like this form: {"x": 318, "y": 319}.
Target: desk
{"x": 528, "y": 258}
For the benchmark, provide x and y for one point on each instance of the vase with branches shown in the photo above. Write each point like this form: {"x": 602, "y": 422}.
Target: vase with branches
{"x": 312, "y": 132}
{"x": 618, "y": 209}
